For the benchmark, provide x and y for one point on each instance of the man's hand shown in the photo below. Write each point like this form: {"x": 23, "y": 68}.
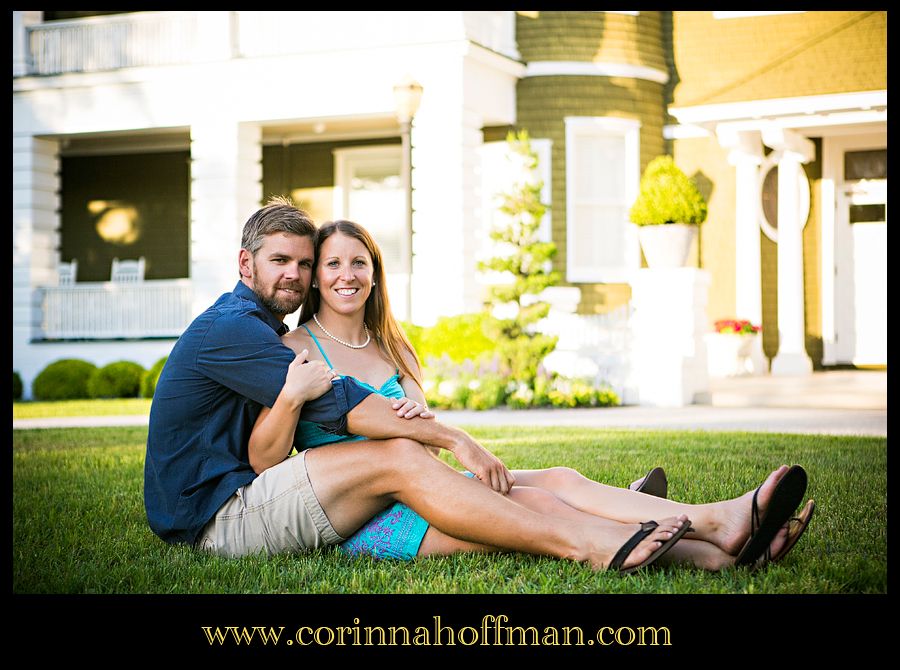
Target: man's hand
{"x": 410, "y": 408}
{"x": 486, "y": 467}
{"x": 307, "y": 380}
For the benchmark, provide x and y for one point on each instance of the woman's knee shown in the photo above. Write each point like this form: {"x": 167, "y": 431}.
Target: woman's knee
{"x": 559, "y": 477}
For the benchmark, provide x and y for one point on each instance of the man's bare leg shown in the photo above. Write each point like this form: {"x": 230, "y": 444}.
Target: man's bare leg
{"x": 355, "y": 480}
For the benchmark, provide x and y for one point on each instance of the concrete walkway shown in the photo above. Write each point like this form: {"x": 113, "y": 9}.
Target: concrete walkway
{"x": 843, "y": 402}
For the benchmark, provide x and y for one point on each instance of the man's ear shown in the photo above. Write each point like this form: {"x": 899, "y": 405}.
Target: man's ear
{"x": 245, "y": 264}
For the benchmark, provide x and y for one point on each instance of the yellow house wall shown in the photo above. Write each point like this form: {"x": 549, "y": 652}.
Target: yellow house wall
{"x": 778, "y": 56}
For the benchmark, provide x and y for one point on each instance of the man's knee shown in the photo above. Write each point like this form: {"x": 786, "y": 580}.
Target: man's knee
{"x": 402, "y": 451}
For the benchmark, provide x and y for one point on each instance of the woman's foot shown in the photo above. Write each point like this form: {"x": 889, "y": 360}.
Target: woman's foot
{"x": 654, "y": 483}
{"x": 601, "y": 558}
{"x": 735, "y": 528}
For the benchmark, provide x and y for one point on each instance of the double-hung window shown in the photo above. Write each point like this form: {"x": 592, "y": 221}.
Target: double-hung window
{"x": 602, "y": 178}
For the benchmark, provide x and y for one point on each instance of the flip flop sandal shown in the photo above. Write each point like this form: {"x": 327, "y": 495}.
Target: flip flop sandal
{"x": 797, "y": 526}
{"x": 647, "y": 527}
{"x": 785, "y": 498}
{"x": 654, "y": 483}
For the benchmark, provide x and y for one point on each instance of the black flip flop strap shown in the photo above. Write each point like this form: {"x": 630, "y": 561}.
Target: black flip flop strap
{"x": 647, "y": 527}
{"x": 755, "y": 523}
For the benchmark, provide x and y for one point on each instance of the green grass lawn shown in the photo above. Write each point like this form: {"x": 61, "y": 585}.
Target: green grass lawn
{"x": 79, "y": 524}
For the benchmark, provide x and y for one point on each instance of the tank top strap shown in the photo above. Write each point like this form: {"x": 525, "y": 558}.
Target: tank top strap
{"x": 321, "y": 350}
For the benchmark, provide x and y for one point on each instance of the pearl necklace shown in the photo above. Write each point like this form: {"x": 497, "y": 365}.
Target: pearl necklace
{"x": 339, "y": 341}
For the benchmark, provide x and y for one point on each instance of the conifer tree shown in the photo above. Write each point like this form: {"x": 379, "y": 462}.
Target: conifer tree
{"x": 527, "y": 262}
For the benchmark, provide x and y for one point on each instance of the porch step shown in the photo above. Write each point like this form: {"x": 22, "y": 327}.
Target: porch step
{"x": 840, "y": 389}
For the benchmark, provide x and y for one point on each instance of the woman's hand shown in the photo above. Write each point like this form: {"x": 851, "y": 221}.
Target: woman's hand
{"x": 408, "y": 409}
{"x": 486, "y": 467}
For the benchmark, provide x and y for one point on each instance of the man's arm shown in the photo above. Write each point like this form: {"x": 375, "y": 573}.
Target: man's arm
{"x": 272, "y": 437}
{"x": 374, "y": 418}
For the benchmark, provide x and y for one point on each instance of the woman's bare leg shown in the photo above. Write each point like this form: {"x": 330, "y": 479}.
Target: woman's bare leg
{"x": 725, "y": 524}
{"x": 692, "y": 552}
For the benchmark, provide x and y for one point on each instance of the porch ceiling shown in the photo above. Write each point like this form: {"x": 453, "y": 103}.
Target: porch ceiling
{"x": 331, "y": 128}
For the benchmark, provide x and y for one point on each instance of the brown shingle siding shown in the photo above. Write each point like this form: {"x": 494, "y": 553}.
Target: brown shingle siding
{"x": 544, "y": 103}
{"x": 592, "y": 36}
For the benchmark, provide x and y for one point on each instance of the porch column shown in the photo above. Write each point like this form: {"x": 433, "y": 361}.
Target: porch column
{"x": 20, "y": 23}
{"x": 35, "y": 182}
{"x": 446, "y": 138}
{"x": 226, "y": 188}
{"x": 746, "y": 155}
{"x": 791, "y": 358}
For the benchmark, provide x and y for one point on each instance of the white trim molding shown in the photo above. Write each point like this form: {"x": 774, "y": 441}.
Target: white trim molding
{"x": 871, "y": 102}
{"x": 550, "y": 68}
{"x": 750, "y": 14}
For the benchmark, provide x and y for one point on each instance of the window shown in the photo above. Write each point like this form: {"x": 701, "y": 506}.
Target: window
{"x": 602, "y": 177}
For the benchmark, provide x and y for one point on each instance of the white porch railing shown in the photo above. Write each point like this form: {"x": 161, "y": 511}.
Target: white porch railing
{"x": 597, "y": 347}
{"x": 107, "y": 310}
{"x": 128, "y": 40}
{"x": 137, "y": 39}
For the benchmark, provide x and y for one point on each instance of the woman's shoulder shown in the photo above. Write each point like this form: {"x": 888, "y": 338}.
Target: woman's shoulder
{"x": 299, "y": 337}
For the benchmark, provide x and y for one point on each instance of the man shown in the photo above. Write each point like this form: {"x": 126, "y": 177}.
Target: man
{"x": 200, "y": 487}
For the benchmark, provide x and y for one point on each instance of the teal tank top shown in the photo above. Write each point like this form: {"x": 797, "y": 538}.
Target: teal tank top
{"x": 310, "y": 434}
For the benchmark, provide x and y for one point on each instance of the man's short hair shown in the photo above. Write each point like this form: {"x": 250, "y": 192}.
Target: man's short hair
{"x": 278, "y": 215}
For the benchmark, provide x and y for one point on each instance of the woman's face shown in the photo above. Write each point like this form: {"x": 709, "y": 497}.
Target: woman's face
{"x": 344, "y": 273}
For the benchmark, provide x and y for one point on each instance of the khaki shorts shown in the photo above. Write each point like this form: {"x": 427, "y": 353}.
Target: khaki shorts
{"x": 277, "y": 512}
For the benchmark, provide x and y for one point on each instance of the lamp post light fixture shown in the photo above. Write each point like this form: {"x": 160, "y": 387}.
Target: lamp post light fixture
{"x": 407, "y": 96}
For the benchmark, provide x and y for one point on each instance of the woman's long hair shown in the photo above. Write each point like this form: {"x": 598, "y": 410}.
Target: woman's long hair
{"x": 378, "y": 316}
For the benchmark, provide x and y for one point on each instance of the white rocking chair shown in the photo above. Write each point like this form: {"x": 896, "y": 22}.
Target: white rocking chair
{"x": 128, "y": 271}
{"x": 67, "y": 273}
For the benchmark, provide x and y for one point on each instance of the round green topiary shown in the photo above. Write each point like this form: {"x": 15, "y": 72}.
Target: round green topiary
{"x": 667, "y": 195}
{"x": 64, "y": 379}
{"x": 150, "y": 377}
{"x": 17, "y": 386}
{"x": 121, "y": 379}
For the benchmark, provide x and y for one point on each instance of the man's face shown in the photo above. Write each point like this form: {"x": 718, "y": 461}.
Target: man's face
{"x": 280, "y": 271}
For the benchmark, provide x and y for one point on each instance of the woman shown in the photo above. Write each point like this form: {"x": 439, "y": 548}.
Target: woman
{"x": 347, "y": 322}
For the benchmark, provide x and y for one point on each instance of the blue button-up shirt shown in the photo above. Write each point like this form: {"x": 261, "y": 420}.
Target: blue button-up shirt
{"x": 227, "y": 365}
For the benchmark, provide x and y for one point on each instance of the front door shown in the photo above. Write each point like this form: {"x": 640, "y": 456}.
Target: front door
{"x": 369, "y": 191}
{"x": 860, "y": 253}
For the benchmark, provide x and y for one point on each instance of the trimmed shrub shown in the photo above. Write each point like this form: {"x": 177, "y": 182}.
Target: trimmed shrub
{"x": 17, "y": 386}
{"x": 121, "y": 379}
{"x": 667, "y": 195}
{"x": 65, "y": 379}
{"x": 151, "y": 377}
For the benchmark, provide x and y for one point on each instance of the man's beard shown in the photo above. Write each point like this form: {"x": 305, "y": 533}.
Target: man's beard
{"x": 280, "y": 306}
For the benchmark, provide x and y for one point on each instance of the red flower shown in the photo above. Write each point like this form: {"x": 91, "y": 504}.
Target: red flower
{"x": 734, "y": 326}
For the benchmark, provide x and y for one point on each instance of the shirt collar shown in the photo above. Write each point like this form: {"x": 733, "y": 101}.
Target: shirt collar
{"x": 247, "y": 293}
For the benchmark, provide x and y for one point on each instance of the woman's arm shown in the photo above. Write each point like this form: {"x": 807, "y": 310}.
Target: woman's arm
{"x": 415, "y": 404}
{"x": 272, "y": 437}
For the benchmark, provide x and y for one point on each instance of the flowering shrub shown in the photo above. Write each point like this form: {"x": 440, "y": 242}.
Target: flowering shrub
{"x": 736, "y": 327}
{"x": 487, "y": 384}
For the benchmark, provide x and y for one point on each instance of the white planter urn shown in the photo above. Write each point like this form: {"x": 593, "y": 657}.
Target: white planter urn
{"x": 667, "y": 245}
{"x": 732, "y": 354}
